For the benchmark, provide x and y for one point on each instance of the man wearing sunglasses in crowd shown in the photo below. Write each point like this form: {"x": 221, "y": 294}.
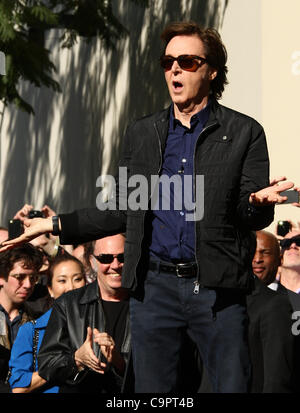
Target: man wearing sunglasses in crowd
{"x": 188, "y": 275}
{"x": 289, "y": 284}
{"x": 289, "y": 281}
{"x": 86, "y": 345}
{"x": 19, "y": 273}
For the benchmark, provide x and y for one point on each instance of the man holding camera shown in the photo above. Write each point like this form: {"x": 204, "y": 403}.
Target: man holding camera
{"x": 46, "y": 243}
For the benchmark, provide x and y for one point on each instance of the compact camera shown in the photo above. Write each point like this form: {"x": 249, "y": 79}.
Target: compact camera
{"x": 35, "y": 214}
{"x": 15, "y": 226}
{"x": 283, "y": 227}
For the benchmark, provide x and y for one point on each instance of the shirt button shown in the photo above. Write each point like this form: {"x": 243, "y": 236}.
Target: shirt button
{"x": 182, "y": 213}
{"x": 183, "y": 160}
{"x": 225, "y": 138}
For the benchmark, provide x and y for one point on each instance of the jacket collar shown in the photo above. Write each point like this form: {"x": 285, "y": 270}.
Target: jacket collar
{"x": 213, "y": 115}
{"x": 4, "y": 337}
{"x": 161, "y": 123}
{"x": 42, "y": 321}
{"x": 91, "y": 293}
{"x": 163, "y": 117}
{"x": 3, "y": 328}
{"x": 257, "y": 285}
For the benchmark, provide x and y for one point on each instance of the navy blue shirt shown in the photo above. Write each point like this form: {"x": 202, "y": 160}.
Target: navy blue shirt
{"x": 173, "y": 237}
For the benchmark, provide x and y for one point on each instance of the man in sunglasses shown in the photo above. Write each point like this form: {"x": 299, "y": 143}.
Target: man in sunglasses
{"x": 290, "y": 267}
{"x": 19, "y": 273}
{"x": 87, "y": 342}
{"x": 289, "y": 284}
{"x": 187, "y": 269}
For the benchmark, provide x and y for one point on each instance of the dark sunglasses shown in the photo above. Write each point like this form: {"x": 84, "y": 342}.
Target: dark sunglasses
{"x": 286, "y": 243}
{"x": 187, "y": 62}
{"x": 108, "y": 258}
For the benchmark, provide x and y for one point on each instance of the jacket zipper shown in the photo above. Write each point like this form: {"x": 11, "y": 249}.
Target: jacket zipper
{"x": 197, "y": 283}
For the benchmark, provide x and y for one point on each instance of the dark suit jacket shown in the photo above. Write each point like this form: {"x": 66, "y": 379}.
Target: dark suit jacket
{"x": 271, "y": 342}
{"x": 294, "y": 299}
{"x": 66, "y": 331}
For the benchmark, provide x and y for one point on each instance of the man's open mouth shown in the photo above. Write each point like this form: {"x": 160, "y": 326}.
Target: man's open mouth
{"x": 177, "y": 85}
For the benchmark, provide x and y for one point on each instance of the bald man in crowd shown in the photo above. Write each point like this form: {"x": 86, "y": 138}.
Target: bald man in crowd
{"x": 267, "y": 257}
{"x": 271, "y": 342}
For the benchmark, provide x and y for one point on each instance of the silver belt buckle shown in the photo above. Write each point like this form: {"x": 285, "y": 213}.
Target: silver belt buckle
{"x": 177, "y": 270}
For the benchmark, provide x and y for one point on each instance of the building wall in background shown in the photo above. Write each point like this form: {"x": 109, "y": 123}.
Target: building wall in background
{"x": 263, "y": 42}
{"x": 56, "y": 156}
{"x": 281, "y": 92}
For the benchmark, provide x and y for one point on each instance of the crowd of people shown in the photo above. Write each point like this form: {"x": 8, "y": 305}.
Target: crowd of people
{"x": 194, "y": 297}
{"x": 84, "y": 329}
{"x": 85, "y": 346}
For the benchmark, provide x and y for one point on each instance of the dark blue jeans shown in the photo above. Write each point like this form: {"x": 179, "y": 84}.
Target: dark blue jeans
{"x": 215, "y": 319}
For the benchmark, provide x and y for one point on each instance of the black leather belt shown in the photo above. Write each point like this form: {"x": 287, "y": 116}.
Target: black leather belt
{"x": 181, "y": 270}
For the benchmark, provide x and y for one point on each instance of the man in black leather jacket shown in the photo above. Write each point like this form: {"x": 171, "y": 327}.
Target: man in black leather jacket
{"x": 87, "y": 342}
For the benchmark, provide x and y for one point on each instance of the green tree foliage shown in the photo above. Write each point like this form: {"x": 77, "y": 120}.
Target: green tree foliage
{"x": 23, "y": 24}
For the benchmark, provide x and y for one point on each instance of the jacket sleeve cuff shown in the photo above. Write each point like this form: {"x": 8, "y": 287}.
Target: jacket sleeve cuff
{"x": 259, "y": 217}
{"x": 66, "y": 373}
{"x": 89, "y": 224}
{"x": 69, "y": 228}
{"x": 76, "y": 376}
